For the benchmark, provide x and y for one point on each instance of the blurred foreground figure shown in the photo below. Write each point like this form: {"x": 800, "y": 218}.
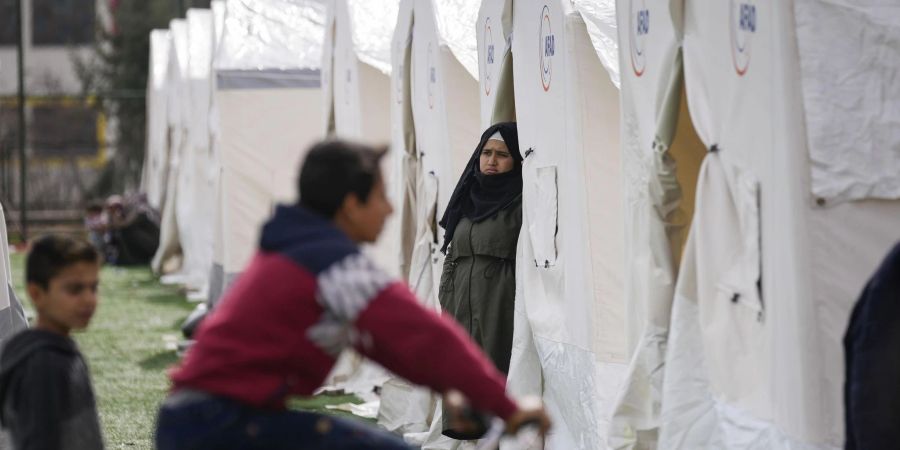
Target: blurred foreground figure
{"x": 308, "y": 294}
{"x": 872, "y": 351}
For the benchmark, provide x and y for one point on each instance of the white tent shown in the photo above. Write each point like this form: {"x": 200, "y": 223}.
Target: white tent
{"x": 661, "y": 157}
{"x": 156, "y": 157}
{"x": 12, "y": 315}
{"x": 405, "y": 160}
{"x": 404, "y": 407}
{"x": 216, "y": 275}
{"x": 356, "y": 69}
{"x": 167, "y": 258}
{"x": 356, "y": 82}
{"x": 796, "y": 204}
{"x": 494, "y": 34}
{"x": 444, "y": 102}
{"x": 571, "y": 342}
{"x": 193, "y": 208}
{"x": 434, "y": 130}
{"x": 268, "y": 107}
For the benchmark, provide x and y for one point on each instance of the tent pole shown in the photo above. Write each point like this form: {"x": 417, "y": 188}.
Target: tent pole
{"x": 23, "y": 163}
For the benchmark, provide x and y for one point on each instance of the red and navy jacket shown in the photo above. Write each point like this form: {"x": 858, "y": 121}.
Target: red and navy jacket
{"x": 309, "y": 293}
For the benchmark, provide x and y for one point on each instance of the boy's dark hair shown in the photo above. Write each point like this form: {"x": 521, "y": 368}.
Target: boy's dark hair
{"x": 94, "y": 206}
{"x": 51, "y": 254}
{"x": 334, "y": 169}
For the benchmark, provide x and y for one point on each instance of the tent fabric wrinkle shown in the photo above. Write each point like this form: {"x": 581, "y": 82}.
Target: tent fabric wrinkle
{"x": 454, "y": 26}
{"x": 272, "y": 34}
{"x": 373, "y": 23}
{"x": 850, "y": 97}
{"x": 600, "y": 18}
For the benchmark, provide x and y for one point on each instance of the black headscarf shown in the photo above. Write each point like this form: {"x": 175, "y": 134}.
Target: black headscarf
{"x": 478, "y": 196}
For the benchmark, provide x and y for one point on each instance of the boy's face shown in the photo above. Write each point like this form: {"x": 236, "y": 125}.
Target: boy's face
{"x": 70, "y": 299}
{"x": 365, "y": 220}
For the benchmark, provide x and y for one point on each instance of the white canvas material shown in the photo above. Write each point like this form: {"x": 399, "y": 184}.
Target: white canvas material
{"x": 769, "y": 275}
{"x": 193, "y": 206}
{"x": 600, "y": 18}
{"x": 12, "y": 315}
{"x": 356, "y": 89}
{"x": 404, "y": 156}
{"x": 435, "y": 107}
{"x": 445, "y": 110}
{"x": 216, "y": 276}
{"x": 661, "y": 156}
{"x": 494, "y": 33}
{"x": 356, "y": 68}
{"x": 849, "y": 96}
{"x": 156, "y": 159}
{"x": 176, "y": 112}
{"x": 267, "y": 109}
{"x": 571, "y": 247}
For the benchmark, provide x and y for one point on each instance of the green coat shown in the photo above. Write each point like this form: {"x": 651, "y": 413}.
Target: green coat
{"x": 478, "y": 283}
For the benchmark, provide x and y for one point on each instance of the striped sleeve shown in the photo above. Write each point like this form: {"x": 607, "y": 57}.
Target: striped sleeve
{"x": 349, "y": 285}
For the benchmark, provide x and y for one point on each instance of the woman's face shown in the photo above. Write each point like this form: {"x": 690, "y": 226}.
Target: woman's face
{"x": 495, "y": 158}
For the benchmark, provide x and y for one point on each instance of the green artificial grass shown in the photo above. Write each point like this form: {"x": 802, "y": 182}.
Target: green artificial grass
{"x": 128, "y": 347}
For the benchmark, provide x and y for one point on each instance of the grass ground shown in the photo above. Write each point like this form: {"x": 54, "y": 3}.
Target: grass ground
{"x": 126, "y": 349}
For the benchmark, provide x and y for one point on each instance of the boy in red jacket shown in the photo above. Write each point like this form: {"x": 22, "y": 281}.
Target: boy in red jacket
{"x": 307, "y": 294}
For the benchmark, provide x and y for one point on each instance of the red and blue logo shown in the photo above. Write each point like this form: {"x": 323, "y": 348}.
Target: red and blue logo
{"x": 638, "y": 29}
{"x": 742, "y": 24}
{"x": 546, "y": 49}
{"x": 488, "y": 56}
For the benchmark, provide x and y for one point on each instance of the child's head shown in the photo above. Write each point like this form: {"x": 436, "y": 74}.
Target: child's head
{"x": 342, "y": 181}
{"x": 94, "y": 208}
{"x": 62, "y": 274}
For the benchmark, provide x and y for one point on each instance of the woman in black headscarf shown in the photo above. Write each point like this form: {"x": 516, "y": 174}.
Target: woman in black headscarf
{"x": 482, "y": 222}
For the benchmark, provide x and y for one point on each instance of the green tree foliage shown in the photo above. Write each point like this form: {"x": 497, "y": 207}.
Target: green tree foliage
{"x": 120, "y": 76}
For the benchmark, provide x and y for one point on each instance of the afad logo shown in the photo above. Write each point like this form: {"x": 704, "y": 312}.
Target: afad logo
{"x": 432, "y": 75}
{"x": 742, "y": 24}
{"x": 547, "y": 49}
{"x": 638, "y": 30}
{"x": 488, "y": 56}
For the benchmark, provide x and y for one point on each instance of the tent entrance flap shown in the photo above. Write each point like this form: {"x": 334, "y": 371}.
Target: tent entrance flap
{"x": 495, "y": 62}
{"x": 505, "y": 99}
{"x": 687, "y": 153}
{"x": 410, "y": 164}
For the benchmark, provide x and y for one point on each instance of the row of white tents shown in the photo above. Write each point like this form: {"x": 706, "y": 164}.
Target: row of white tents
{"x": 708, "y": 184}
{"x": 233, "y": 99}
